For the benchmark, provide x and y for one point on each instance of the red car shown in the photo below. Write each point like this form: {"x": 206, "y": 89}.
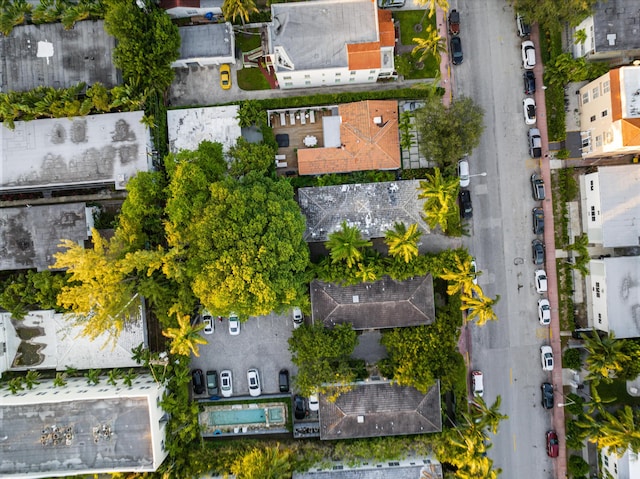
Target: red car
{"x": 454, "y": 22}
{"x": 553, "y": 446}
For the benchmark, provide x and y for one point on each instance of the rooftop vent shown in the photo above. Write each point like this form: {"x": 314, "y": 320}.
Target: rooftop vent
{"x": 377, "y": 120}
{"x": 360, "y": 419}
{"x": 356, "y": 298}
{"x": 611, "y": 38}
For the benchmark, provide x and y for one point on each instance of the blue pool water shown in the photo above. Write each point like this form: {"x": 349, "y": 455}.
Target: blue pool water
{"x": 237, "y": 416}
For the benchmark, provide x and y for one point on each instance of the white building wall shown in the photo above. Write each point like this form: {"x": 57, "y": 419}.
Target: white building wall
{"x": 582, "y": 49}
{"x": 591, "y": 208}
{"x": 596, "y": 295}
{"x": 325, "y": 77}
{"x": 625, "y": 467}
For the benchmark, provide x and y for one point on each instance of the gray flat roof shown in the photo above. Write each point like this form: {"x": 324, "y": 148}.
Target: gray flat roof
{"x": 385, "y": 303}
{"x": 29, "y": 236}
{"x": 620, "y": 205}
{"x": 620, "y": 18}
{"x": 49, "y": 55}
{"x": 74, "y": 152}
{"x": 24, "y": 425}
{"x": 380, "y": 408}
{"x": 623, "y": 295}
{"x": 372, "y": 207}
{"x": 191, "y": 126}
{"x": 315, "y": 34}
{"x": 203, "y": 41}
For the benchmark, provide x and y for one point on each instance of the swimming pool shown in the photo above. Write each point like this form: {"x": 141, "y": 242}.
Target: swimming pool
{"x": 232, "y": 417}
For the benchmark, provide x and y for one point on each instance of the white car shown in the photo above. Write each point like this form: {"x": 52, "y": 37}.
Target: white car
{"x": 528, "y": 55}
{"x": 474, "y": 271}
{"x": 226, "y": 383}
{"x": 314, "y": 404}
{"x": 546, "y": 355}
{"x": 544, "y": 312}
{"x": 207, "y": 319}
{"x": 253, "y": 378}
{"x": 463, "y": 173}
{"x": 541, "y": 281}
{"x": 297, "y": 318}
{"x": 476, "y": 383}
{"x": 529, "y": 107}
{"x": 234, "y": 324}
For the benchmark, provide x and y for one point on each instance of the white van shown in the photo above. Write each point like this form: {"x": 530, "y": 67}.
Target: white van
{"x": 476, "y": 383}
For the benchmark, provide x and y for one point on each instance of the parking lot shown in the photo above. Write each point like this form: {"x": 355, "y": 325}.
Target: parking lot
{"x": 262, "y": 344}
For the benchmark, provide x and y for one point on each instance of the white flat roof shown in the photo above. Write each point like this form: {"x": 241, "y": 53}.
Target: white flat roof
{"x": 190, "y": 127}
{"x": 630, "y": 98}
{"x": 74, "y": 152}
{"x": 620, "y": 205}
{"x": 623, "y": 295}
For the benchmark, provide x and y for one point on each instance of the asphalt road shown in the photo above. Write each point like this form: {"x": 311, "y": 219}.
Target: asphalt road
{"x": 507, "y": 351}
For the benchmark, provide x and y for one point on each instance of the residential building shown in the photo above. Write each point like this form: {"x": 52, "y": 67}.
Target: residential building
{"x": 407, "y": 468}
{"x": 203, "y": 45}
{"x": 329, "y": 42}
{"x": 610, "y": 114}
{"x": 372, "y": 207}
{"x": 613, "y": 295}
{"x": 49, "y": 54}
{"x": 31, "y": 235}
{"x": 362, "y": 136}
{"x": 80, "y": 152}
{"x": 191, "y": 126}
{"x": 612, "y": 32}
{"x": 610, "y": 200}
{"x": 385, "y": 303}
{"x": 625, "y": 467}
{"x": 209, "y": 9}
{"x": 78, "y": 429}
{"x": 379, "y": 408}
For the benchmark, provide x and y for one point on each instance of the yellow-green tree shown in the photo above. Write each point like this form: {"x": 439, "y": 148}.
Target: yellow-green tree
{"x": 479, "y": 307}
{"x": 403, "y": 241}
{"x": 461, "y": 278}
{"x": 440, "y": 195}
{"x": 238, "y": 8}
{"x": 185, "y": 338}
{"x": 264, "y": 463}
{"x": 431, "y": 44}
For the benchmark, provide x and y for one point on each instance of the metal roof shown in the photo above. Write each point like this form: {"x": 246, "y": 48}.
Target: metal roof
{"x": 620, "y": 205}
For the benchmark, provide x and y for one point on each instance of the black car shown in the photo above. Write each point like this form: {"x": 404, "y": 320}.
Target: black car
{"x": 212, "y": 383}
{"x": 197, "y": 378}
{"x": 456, "y": 50}
{"x": 466, "y": 209}
{"x": 547, "y": 395}
{"x": 537, "y": 187}
{"x": 283, "y": 380}
{"x": 529, "y": 83}
{"x": 299, "y": 407}
{"x": 538, "y": 221}
{"x": 537, "y": 248}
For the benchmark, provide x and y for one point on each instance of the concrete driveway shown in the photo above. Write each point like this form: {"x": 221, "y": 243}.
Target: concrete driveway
{"x": 262, "y": 344}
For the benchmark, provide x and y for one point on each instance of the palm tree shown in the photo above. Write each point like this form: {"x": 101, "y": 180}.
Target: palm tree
{"x": 606, "y": 356}
{"x": 367, "y": 273}
{"x": 185, "y": 338}
{"x": 440, "y": 194}
{"x": 431, "y": 5}
{"x": 619, "y": 433}
{"x": 70, "y": 371}
{"x": 60, "y": 380}
{"x": 432, "y": 44}
{"x": 114, "y": 375}
{"x": 267, "y": 463}
{"x": 403, "y": 242}
{"x": 140, "y": 354}
{"x": 479, "y": 308}
{"x": 597, "y": 402}
{"x": 93, "y": 376}
{"x": 461, "y": 279}
{"x": 128, "y": 377}
{"x": 487, "y": 416}
{"x": 15, "y": 385}
{"x": 31, "y": 379}
{"x": 346, "y": 244}
{"x": 242, "y": 8}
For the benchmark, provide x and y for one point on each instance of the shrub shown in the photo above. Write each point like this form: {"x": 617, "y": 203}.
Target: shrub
{"x": 571, "y": 359}
{"x": 577, "y": 466}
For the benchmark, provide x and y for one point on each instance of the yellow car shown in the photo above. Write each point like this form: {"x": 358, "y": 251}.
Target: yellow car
{"x": 225, "y": 77}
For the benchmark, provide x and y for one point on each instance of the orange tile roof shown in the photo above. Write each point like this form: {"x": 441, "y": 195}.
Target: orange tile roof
{"x": 631, "y": 132}
{"x": 386, "y": 28}
{"x": 364, "y": 56}
{"x": 365, "y": 145}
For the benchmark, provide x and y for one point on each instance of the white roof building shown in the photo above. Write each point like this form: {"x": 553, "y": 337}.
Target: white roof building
{"x": 79, "y": 429}
{"x": 191, "y": 126}
{"x": 625, "y": 467}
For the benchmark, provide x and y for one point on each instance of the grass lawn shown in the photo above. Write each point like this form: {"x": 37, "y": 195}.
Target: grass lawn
{"x": 252, "y": 79}
{"x": 618, "y": 389}
{"x": 246, "y": 41}
{"x": 408, "y": 19}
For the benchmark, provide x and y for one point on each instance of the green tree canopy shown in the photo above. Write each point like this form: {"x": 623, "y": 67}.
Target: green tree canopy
{"x": 346, "y": 245}
{"x": 440, "y": 194}
{"x": 448, "y": 134}
{"x": 546, "y": 11}
{"x": 267, "y": 463}
{"x": 246, "y": 157}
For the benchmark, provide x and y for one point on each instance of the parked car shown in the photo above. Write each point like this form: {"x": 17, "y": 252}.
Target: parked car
{"x": 456, "y": 50}
{"x": 390, "y": 3}
{"x": 314, "y": 404}
{"x": 225, "y": 76}
{"x": 477, "y": 385}
{"x": 547, "y": 395}
{"x": 541, "y": 280}
{"x": 524, "y": 29}
{"x": 535, "y": 143}
{"x": 528, "y": 55}
{"x": 537, "y": 250}
{"x": 234, "y": 324}
{"x": 529, "y": 108}
{"x": 197, "y": 378}
{"x": 299, "y": 407}
{"x": 412, "y": 106}
{"x": 529, "y": 82}
{"x": 544, "y": 312}
{"x": 538, "y": 221}
{"x": 474, "y": 271}
{"x": 537, "y": 187}
{"x": 283, "y": 380}
{"x": 466, "y": 209}
{"x": 207, "y": 320}
{"x": 463, "y": 173}
{"x": 297, "y": 318}
{"x": 546, "y": 355}
{"x": 454, "y": 22}
{"x": 553, "y": 446}
{"x": 212, "y": 383}
{"x": 226, "y": 383}
{"x": 253, "y": 379}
